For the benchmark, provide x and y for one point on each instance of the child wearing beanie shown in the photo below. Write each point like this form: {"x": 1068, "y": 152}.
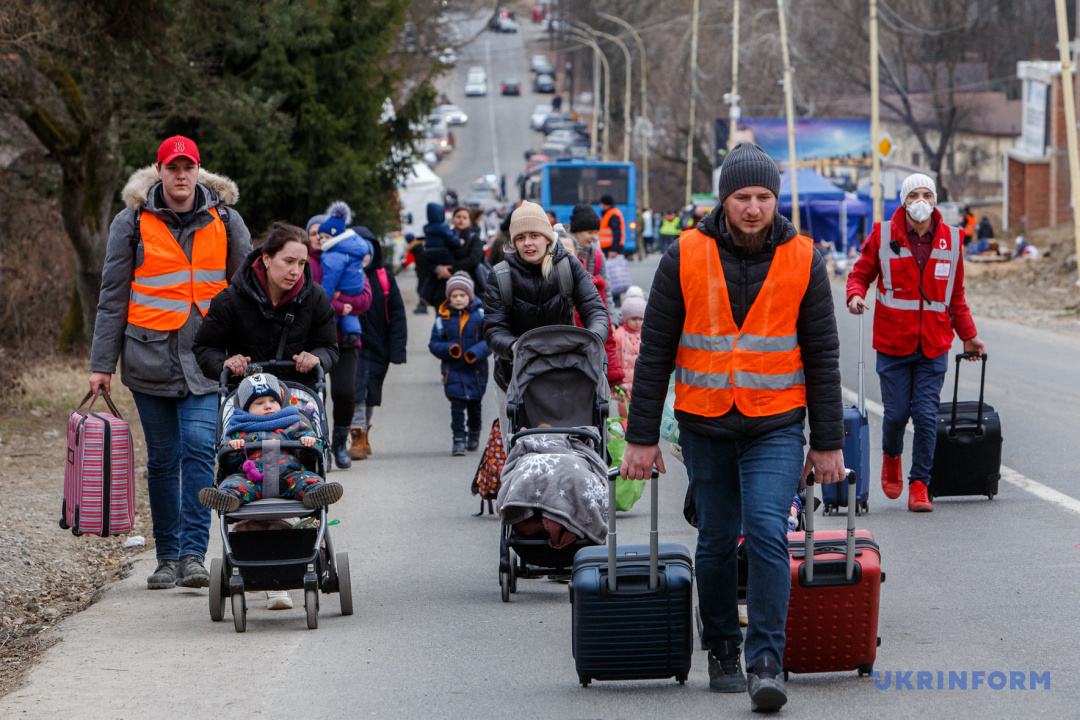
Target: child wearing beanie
{"x": 259, "y": 416}
{"x": 457, "y": 339}
{"x": 628, "y": 335}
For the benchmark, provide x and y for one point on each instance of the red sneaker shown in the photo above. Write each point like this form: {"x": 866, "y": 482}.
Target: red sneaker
{"x": 917, "y": 498}
{"x": 892, "y": 477}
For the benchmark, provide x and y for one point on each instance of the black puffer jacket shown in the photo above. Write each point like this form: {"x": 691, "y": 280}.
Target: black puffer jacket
{"x": 384, "y": 323}
{"x": 242, "y": 320}
{"x": 537, "y": 303}
{"x": 745, "y": 274}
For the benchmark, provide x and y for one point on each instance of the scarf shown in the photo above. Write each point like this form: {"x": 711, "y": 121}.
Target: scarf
{"x": 242, "y": 421}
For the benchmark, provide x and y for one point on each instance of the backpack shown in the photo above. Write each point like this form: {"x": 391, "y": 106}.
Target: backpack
{"x": 562, "y": 269}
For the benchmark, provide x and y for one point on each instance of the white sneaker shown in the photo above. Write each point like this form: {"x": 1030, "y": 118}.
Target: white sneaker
{"x": 278, "y": 600}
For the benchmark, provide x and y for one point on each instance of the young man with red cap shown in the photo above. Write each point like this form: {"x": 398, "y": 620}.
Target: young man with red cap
{"x": 916, "y": 259}
{"x": 173, "y": 248}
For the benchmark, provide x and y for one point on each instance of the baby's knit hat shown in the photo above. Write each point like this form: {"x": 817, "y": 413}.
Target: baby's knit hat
{"x": 257, "y": 386}
{"x": 461, "y": 281}
{"x": 530, "y": 217}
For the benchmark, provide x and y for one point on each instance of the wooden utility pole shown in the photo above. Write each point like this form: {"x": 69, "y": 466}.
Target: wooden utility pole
{"x": 875, "y": 119}
{"x": 734, "y": 112}
{"x": 693, "y": 102}
{"x": 790, "y": 105}
{"x": 1070, "y": 117}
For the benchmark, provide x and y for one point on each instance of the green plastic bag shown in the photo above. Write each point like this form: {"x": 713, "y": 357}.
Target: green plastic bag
{"x": 627, "y": 491}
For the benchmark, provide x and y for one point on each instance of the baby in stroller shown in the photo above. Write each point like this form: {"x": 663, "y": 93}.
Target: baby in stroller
{"x": 259, "y": 416}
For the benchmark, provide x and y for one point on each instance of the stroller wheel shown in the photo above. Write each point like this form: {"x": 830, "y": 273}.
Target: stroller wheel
{"x": 504, "y": 583}
{"x": 217, "y": 597}
{"x": 513, "y": 570}
{"x": 239, "y": 611}
{"x": 344, "y": 583}
{"x": 311, "y": 604}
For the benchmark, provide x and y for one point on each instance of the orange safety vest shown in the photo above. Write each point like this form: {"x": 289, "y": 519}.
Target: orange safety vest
{"x": 757, "y": 367}
{"x": 607, "y": 238}
{"x": 166, "y": 284}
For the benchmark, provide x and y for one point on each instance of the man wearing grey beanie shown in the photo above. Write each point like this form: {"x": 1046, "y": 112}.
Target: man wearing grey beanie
{"x": 741, "y": 307}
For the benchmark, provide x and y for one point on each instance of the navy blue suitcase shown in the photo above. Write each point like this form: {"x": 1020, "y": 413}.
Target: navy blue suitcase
{"x": 856, "y": 452}
{"x": 637, "y": 624}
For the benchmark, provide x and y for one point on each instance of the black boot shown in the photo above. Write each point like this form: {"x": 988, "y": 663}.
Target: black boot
{"x": 474, "y": 440}
{"x": 459, "y": 446}
{"x": 340, "y": 448}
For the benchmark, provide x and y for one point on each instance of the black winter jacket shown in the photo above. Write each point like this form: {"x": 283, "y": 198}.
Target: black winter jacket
{"x": 242, "y": 320}
{"x": 745, "y": 275}
{"x": 384, "y": 324}
{"x": 538, "y": 303}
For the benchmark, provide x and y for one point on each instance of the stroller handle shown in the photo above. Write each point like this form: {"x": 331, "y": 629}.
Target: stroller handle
{"x": 257, "y": 445}
{"x": 587, "y": 433}
{"x": 226, "y": 373}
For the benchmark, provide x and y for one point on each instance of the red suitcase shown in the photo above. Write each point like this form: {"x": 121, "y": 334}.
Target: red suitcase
{"x": 836, "y": 581}
{"x": 99, "y": 482}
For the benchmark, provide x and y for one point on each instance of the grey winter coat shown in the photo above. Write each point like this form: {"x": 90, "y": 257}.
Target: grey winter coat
{"x": 158, "y": 362}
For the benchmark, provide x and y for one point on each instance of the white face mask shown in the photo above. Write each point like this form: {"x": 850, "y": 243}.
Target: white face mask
{"x": 920, "y": 211}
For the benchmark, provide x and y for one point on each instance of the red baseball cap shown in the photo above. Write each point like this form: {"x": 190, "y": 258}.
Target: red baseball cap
{"x": 177, "y": 146}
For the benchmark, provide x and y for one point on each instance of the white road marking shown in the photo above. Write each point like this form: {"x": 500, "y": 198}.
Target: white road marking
{"x": 491, "y": 109}
{"x": 1049, "y": 494}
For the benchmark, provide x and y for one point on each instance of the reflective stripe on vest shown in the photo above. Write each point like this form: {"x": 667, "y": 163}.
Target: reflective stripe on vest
{"x": 886, "y": 293}
{"x": 607, "y": 237}
{"x": 166, "y": 284}
{"x": 758, "y": 367}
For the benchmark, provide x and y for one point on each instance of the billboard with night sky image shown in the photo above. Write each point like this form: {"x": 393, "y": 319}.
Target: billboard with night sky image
{"x": 819, "y": 142}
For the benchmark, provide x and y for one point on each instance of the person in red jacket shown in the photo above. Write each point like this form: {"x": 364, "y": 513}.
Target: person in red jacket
{"x": 920, "y": 304}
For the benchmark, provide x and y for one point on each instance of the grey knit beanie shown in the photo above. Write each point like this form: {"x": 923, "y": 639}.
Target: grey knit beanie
{"x": 747, "y": 165}
{"x": 316, "y": 220}
{"x": 257, "y": 386}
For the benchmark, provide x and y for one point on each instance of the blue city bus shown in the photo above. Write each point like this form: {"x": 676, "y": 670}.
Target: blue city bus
{"x": 560, "y": 185}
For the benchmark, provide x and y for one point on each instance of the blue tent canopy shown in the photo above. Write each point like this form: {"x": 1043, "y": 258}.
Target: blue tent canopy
{"x": 812, "y": 186}
{"x": 825, "y": 208}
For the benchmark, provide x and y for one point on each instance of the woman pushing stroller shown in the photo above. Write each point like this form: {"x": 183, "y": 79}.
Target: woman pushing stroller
{"x": 545, "y": 286}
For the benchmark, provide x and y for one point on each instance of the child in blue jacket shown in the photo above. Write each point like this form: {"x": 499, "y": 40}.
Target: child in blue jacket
{"x": 458, "y": 340}
{"x": 342, "y": 260}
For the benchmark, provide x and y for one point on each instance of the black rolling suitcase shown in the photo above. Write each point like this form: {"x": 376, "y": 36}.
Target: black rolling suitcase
{"x": 636, "y": 624}
{"x": 967, "y": 457}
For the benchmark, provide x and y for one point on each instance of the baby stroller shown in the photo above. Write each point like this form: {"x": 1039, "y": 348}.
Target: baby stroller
{"x": 300, "y": 557}
{"x": 560, "y": 382}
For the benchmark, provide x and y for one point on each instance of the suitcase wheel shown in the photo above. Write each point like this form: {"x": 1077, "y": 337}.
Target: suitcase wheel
{"x": 584, "y": 680}
{"x": 681, "y": 679}
{"x": 989, "y": 496}
{"x": 865, "y": 670}
{"x": 787, "y": 676}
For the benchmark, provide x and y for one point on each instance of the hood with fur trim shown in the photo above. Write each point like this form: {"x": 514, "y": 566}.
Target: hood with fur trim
{"x": 141, "y": 182}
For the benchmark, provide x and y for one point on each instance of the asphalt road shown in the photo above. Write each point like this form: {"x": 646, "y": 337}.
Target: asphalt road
{"x": 976, "y": 586}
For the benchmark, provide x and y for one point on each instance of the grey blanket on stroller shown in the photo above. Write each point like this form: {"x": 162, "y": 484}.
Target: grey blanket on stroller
{"x": 561, "y": 477}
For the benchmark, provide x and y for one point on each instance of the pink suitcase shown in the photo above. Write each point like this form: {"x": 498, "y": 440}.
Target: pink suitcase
{"x": 99, "y": 483}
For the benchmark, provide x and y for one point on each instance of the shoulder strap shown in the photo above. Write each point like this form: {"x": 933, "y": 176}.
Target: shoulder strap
{"x": 502, "y": 276}
{"x": 384, "y": 282}
{"x": 284, "y": 336}
{"x": 136, "y": 237}
{"x": 885, "y": 236}
{"x": 566, "y": 279}
{"x": 599, "y": 262}
{"x": 440, "y": 327}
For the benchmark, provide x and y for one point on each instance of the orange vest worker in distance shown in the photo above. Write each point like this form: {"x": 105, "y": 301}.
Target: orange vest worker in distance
{"x": 611, "y": 235}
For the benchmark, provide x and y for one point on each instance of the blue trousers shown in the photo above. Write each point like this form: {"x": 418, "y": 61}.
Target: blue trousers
{"x": 911, "y": 388}
{"x": 180, "y": 450}
{"x": 745, "y": 485}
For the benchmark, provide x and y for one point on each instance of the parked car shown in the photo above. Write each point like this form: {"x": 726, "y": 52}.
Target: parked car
{"x": 476, "y": 86}
{"x": 544, "y": 84}
{"x": 539, "y": 114}
{"x": 545, "y": 69}
{"x": 506, "y": 25}
{"x": 477, "y": 72}
{"x": 565, "y": 123}
{"x": 538, "y": 13}
{"x": 511, "y": 87}
{"x": 539, "y": 61}
{"x": 450, "y": 114}
{"x": 429, "y": 151}
{"x": 482, "y": 195}
{"x": 448, "y": 57}
{"x": 554, "y": 119}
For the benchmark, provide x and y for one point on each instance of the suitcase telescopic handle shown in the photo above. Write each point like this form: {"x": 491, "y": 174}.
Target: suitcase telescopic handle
{"x": 654, "y": 539}
{"x": 862, "y": 364}
{"x": 850, "y": 550}
{"x": 956, "y": 387}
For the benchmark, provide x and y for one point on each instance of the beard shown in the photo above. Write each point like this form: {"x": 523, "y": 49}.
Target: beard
{"x": 751, "y": 243}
